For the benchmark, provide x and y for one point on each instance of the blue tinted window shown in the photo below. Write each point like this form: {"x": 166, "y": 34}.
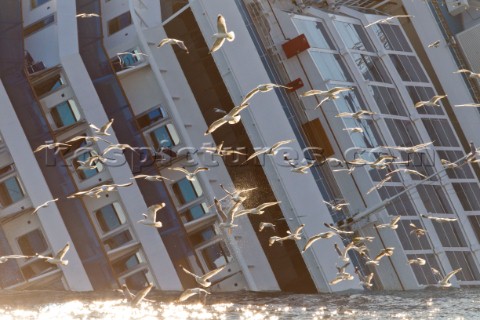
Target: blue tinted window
{"x": 10, "y": 191}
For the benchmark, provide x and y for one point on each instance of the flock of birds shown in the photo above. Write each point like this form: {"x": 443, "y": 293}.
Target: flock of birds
{"x": 237, "y": 197}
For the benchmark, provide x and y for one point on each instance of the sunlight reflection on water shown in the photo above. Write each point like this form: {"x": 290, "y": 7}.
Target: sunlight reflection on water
{"x": 428, "y": 304}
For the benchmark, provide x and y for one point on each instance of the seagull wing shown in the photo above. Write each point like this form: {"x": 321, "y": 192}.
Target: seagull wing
{"x": 435, "y": 99}
{"x": 473, "y": 105}
{"x": 259, "y": 152}
{"x": 267, "y": 204}
{"x": 236, "y": 110}
{"x": 62, "y": 252}
{"x": 141, "y": 294}
{"x": 312, "y": 93}
{"x": 200, "y": 170}
{"x": 250, "y": 94}
{"x": 189, "y": 272}
{"x": 280, "y": 143}
{"x": 217, "y": 44}
{"x": 220, "y": 211}
{"x": 180, "y": 169}
{"x": 337, "y": 90}
{"x": 164, "y": 42}
{"x": 463, "y": 71}
{"x": 395, "y": 220}
{"x": 212, "y": 273}
{"x": 221, "y": 24}
{"x": 311, "y": 241}
{"x": 215, "y": 125}
{"x": 299, "y": 229}
{"x": 187, "y": 294}
{"x": 451, "y": 274}
{"x": 152, "y": 211}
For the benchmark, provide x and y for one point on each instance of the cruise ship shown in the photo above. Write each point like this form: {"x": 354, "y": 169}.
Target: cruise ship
{"x": 68, "y": 66}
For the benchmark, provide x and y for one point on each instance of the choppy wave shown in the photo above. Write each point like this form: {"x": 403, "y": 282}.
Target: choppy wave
{"x": 426, "y": 304}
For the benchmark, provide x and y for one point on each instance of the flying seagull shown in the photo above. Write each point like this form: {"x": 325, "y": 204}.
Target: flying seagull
{"x": 433, "y": 102}
{"x": 4, "y": 259}
{"x": 171, "y": 41}
{"x": 417, "y": 230}
{"x": 445, "y": 282}
{"x": 155, "y": 178}
{"x": 264, "y": 225}
{"x": 191, "y": 176}
{"x": 141, "y": 295}
{"x": 262, "y": 88}
{"x": 52, "y": 146}
{"x": 331, "y": 94}
{"x": 258, "y": 210}
{"x": 44, "y": 205}
{"x": 204, "y": 280}
{"x": 434, "y": 44}
{"x": 103, "y": 130}
{"x": 58, "y": 258}
{"x": 388, "y": 20}
{"x": 229, "y": 217}
{"x": 191, "y": 292}
{"x": 323, "y": 235}
{"x": 87, "y": 15}
{"x": 393, "y": 224}
{"x": 439, "y": 219}
{"x": 471, "y": 74}
{"x": 470, "y": 105}
{"x": 269, "y": 151}
{"x": 221, "y": 34}
{"x": 231, "y": 117}
{"x": 151, "y": 216}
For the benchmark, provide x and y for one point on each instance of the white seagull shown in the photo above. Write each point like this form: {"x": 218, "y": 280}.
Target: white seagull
{"x": 262, "y": 88}
{"x": 433, "y": 102}
{"x": 258, "y": 210}
{"x": 231, "y": 117}
{"x": 221, "y": 34}
{"x": 388, "y": 20}
{"x": 269, "y": 151}
{"x": 58, "y": 258}
{"x": 264, "y": 225}
{"x": 393, "y": 224}
{"x": 141, "y": 295}
{"x": 323, "y": 235}
{"x": 438, "y": 219}
{"x": 331, "y": 94}
{"x": 191, "y": 292}
{"x": 434, "y": 44}
{"x": 336, "y": 206}
{"x": 290, "y": 236}
{"x": 155, "y": 178}
{"x": 191, "y": 176}
{"x": 151, "y": 216}
{"x": 237, "y": 194}
{"x": 445, "y": 282}
{"x": 44, "y": 205}
{"x": 338, "y": 231}
{"x": 87, "y": 15}
{"x": 471, "y": 74}
{"x": 103, "y": 130}
{"x": 52, "y": 146}
{"x": 204, "y": 280}
{"x": 219, "y": 151}
{"x": 229, "y": 217}
{"x": 419, "y": 261}
{"x": 172, "y": 41}
{"x": 4, "y": 259}
{"x": 355, "y": 115}
{"x": 471, "y": 105}
{"x": 417, "y": 230}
